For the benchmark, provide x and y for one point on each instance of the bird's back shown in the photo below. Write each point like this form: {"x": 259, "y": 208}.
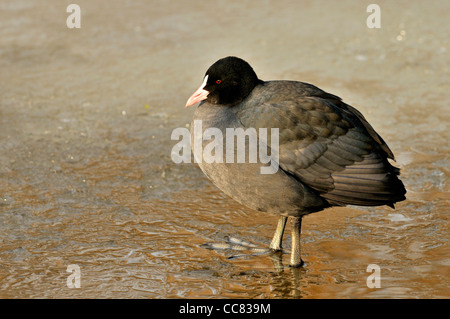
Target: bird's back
{"x": 324, "y": 143}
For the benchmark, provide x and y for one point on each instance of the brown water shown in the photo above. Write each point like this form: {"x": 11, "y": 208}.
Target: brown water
{"x": 86, "y": 176}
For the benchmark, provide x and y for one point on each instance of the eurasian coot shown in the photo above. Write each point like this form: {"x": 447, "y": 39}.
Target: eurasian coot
{"x": 327, "y": 154}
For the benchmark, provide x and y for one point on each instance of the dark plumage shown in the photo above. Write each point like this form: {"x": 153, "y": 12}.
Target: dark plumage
{"x": 329, "y": 155}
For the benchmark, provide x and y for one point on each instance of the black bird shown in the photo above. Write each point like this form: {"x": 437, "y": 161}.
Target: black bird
{"x": 328, "y": 154}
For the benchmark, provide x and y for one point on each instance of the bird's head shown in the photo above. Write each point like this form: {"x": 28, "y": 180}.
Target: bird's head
{"x": 227, "y": 82}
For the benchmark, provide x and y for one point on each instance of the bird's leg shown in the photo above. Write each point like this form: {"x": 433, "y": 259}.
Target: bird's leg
{"x": 278, "y": 236}
{"x": 296, "y": 260}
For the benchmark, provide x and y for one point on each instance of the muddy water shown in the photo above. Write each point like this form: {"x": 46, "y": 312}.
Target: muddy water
{"x": 86, "y": 176}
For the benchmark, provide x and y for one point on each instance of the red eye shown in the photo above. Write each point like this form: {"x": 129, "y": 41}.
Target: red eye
{"x": 218, "y": 81}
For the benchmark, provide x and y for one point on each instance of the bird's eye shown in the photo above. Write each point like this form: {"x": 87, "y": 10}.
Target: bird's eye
{"x": 218, "y": 81}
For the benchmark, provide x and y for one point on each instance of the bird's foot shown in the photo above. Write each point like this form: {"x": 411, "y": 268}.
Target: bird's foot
{"x": 299, "y": 264}
{"x": 236, "y": 244}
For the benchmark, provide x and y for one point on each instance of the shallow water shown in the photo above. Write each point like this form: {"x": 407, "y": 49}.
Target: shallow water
{"x": 86, "y": 176}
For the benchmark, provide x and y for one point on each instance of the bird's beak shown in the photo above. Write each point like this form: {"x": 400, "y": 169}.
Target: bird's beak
{"x": 198, "y": 95}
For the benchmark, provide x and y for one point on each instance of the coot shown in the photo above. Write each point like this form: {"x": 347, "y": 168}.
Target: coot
{"x": 327, "y": 154}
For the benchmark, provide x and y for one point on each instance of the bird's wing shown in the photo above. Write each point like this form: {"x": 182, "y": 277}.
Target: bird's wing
{"x": 330, "y": 149}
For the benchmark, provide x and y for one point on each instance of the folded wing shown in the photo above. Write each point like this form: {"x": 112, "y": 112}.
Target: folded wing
{"x": 330, "y": 147}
